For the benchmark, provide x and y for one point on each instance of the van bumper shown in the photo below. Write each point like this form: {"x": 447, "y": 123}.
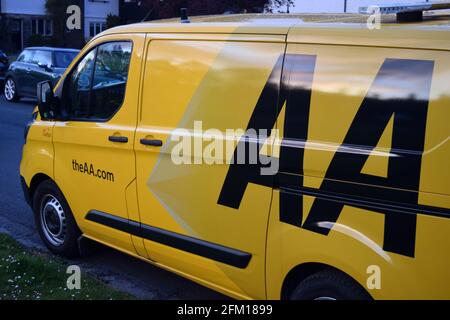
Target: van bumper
{"x": 26, "y": 190}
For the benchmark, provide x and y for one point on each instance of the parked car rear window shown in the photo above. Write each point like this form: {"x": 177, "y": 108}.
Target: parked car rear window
{"x": 42, "y": 56}
{"x": 64, "y": 58}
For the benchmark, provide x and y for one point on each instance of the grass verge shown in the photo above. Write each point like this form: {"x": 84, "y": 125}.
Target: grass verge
{"x": 26, "y": 274}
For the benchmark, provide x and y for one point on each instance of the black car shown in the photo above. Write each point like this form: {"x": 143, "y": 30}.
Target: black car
{"x": 35, "y": 65}
{"x": 3, "y": 65}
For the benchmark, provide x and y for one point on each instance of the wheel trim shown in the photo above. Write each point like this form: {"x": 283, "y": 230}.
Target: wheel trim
{"x": 10, "y": 89}
{"x": 53, "y": 220}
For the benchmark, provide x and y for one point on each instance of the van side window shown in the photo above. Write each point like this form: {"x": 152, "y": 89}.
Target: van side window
{"x": 110, "y": 79}
{"x": 78, "y": 87}
{"x": 96, "y": 87}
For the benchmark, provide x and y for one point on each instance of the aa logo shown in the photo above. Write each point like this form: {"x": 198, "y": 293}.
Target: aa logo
{"x": 406, "y": 107}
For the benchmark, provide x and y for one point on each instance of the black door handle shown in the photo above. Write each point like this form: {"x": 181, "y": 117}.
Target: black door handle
{"x": 119, "y": 139}
{"x": 150, "y": 142}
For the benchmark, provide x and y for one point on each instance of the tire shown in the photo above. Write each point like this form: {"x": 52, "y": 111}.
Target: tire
{"x": 10, "y": 90}
{"x": 54, "y": 220}
{"x": 330, "y": 285}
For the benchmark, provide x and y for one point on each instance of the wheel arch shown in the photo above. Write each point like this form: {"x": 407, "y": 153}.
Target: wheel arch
{"x": 301, "y": 272}
{"x": 36, "y": 181}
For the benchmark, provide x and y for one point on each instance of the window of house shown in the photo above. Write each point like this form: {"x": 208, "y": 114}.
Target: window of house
{"x": 96, "y": 87}
{"x": 48, "y": 30}
{"x": 96, "y": 27}
{"x": 42, "y": 26}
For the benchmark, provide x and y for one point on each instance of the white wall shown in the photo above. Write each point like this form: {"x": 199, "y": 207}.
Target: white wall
{"x": 337, "y": 6}
{"x": 97, "y": 11}
{"x": 100, "y": 9}
{"x": 353, "y": 5}
{"x": 317, "y": 6}
{"x": 36, "y": 7}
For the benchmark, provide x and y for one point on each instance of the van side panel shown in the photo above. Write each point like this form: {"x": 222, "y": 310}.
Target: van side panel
{"x": 194, "y": 91}
{"x": 368, "y": 184}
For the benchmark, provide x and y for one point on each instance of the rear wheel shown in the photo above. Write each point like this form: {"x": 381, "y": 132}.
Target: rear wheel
{"x": 329, "y": 285}
{"x": 54, "y": 220}
{"x": 10, "y": 90}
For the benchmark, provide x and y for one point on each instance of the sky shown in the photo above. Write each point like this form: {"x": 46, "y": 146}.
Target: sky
{"x": 319, "y": 6}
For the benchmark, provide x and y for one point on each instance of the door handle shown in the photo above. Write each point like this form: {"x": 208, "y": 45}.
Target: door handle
{"x": 28, "y": 69}
{"x": 152, "y": 142}
{"x": 119, "y": 139}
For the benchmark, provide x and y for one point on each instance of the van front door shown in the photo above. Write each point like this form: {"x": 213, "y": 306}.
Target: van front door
{"x": 94, "y": 157}
{"x": 198, "y": 100}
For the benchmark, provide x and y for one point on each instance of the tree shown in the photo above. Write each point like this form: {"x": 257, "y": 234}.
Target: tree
{"x": 4, "y": 30}
{"x": 112, "y": 21}
{"x": 157, "y": 9}
{"x": 56, "y": 10}
{"x": 272, "y": 4}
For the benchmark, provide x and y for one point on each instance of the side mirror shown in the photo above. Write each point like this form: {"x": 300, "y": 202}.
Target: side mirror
{"x": 46, "y": 99}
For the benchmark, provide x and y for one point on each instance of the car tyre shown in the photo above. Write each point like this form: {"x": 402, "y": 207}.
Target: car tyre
{"x": 329, "y": 285}
{"x": 54, "y": 220}
{"x": 10, "y": 90}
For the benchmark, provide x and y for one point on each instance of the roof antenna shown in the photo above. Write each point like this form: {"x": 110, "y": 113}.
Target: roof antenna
{"x": 184, "y": 15}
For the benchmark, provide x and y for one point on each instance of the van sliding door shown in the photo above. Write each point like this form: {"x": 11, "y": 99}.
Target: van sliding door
{"x": 199, "y": 213}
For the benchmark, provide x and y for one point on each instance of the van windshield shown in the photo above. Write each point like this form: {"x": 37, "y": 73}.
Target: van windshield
{"x": 64, "y": 58}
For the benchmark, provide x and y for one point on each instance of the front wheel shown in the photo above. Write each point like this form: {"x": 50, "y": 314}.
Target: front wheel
{"x": 10, "y": 90}
{"x": 54, "y": 220}
{"x": 329, "y": 285}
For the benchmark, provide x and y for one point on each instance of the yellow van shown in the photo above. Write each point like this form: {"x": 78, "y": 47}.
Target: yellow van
{"x": 266, "y": 159}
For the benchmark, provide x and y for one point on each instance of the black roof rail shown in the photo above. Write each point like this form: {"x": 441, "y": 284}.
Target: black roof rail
{"x": 184, "y": 15}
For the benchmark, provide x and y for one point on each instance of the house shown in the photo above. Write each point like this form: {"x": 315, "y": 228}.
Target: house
{"x": 338, "y": 6}
{"x": 95, "y": 13}
{"x": 21, "y": 20}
